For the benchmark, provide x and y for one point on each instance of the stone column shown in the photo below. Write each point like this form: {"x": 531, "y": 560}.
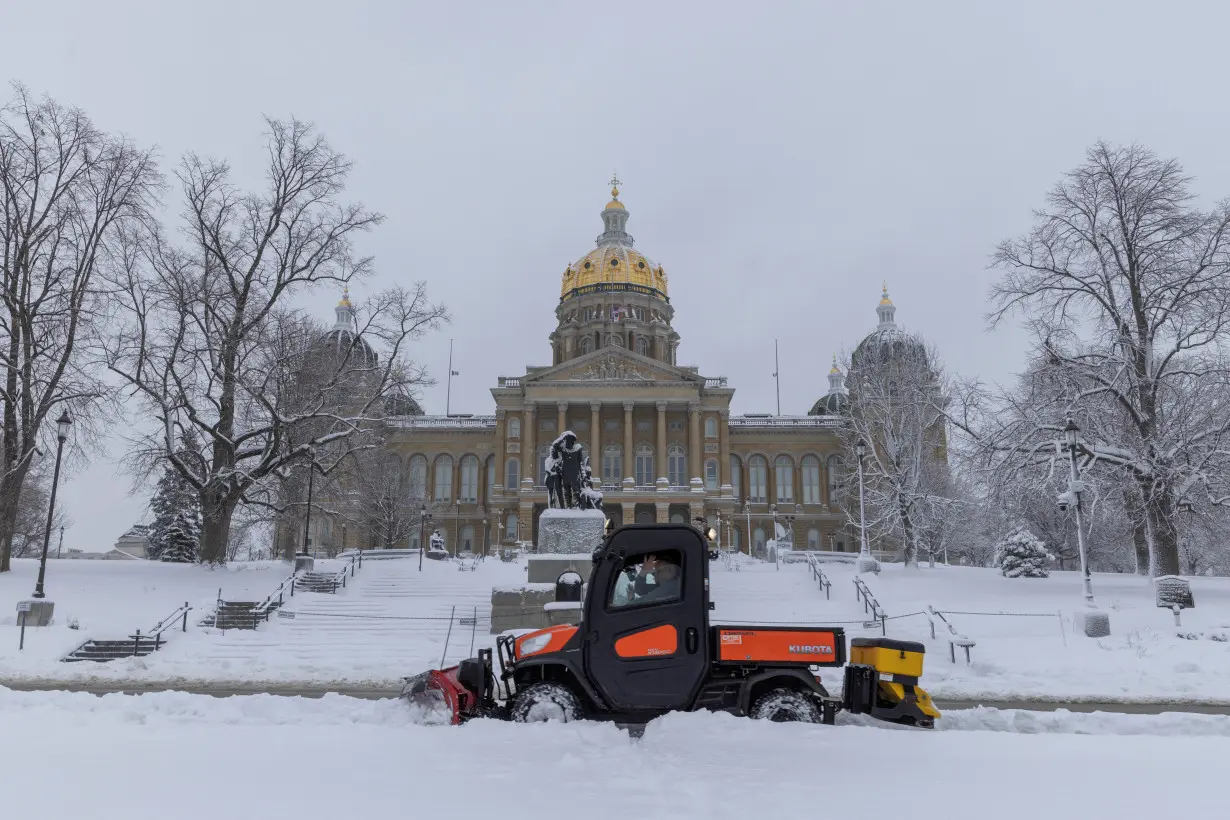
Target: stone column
{"x": 659, "y": 461}
{"x": 529, "y": 457}
{"x": 562, "y": 421}
{"x": 629, "y": 510}
{"x": 501, "y": 448}
{"x": 724, "y": 452}
{"x": 595, "y": 439}
{"x": 695, "y": 447}
{"x": 629, "y": 454}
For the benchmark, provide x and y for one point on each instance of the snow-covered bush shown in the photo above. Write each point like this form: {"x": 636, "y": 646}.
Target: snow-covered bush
{"x": 1020, "y": 554}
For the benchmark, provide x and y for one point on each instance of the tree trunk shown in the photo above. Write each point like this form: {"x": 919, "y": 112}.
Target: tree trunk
{"x": 1140, "y": 541}
{"x": 10, "y": 508}
{"x": 910, "y": 545}
{"x": 217, "y": 509}
{"x": 1161, "y": 511}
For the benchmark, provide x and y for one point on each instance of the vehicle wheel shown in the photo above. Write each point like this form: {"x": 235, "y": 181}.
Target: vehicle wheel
{"x": 785, "y": 706}
{"x": 546, "y": 702}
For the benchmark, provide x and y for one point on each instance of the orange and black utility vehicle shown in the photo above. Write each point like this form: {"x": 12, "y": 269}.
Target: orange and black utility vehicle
{"x": 645, "y": 646}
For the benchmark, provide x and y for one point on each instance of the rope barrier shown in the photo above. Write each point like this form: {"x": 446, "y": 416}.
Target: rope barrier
{"x": 1007, "y": 614}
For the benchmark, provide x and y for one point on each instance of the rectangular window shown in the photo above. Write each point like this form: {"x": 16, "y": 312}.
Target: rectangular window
{"x": 612, "y": 467}
{"x": 711, "y": 475}
{"x": 644, "y": 427}
{"x": 785, "y": 482}
{"x": 547, "y": 425}
{"x": 580, "y": 425}
{"x": 610, "y": 425}
{"x": 675, "y": 426}
{"x": 646, "y": 580}
{"x": 758, "y": 479}
{"x": 644, "y": 469}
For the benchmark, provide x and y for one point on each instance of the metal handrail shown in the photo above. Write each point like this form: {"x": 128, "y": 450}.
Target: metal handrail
{"x": 263, "y": 607}
{"x": 870, "y": 604}
{"x": 162, "y": 625}
{"x": 818, "y": 574}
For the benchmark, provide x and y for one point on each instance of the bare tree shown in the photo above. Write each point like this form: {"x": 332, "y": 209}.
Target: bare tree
{"x": 209, "y": 344}
{"x": 1125, "y": 284}
{"x": 67, "y": 192}
{"x": 896, "y": 407}
{"x": 387, "y": 502}
{"x": 30, "y": 528}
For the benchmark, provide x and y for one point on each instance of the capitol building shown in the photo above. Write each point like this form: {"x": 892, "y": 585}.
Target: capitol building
{"x": 659, "y": 435}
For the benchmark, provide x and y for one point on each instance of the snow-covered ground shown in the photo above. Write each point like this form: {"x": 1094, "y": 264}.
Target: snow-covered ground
{"x": 393, "y": 620}
{"x": 150, "y": 756}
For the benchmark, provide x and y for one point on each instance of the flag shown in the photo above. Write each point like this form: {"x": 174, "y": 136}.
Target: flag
{"x": 454, "y": 373}
{"x": 615, "y": 311}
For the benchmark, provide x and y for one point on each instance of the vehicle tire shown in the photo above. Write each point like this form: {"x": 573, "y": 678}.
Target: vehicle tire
{"x": 546, "y": 702}
{"x": 785, "y": 706}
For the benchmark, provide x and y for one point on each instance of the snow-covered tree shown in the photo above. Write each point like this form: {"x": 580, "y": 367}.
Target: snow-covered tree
{"x": 175, "y": 534}
{"x": 1021, "y": 554}
{"x": 896, "y": 408}
{"x": 209, "y": 341}
{"x": 1125, "y": 285}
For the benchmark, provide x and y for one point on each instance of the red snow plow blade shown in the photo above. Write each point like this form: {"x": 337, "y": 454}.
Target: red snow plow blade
{"x": 454, "y": 695}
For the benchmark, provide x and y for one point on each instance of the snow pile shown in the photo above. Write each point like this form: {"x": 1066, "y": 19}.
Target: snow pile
{"x": 686, "y": 765}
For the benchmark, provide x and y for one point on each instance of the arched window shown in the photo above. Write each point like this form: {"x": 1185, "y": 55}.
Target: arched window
{"x": 758, "y": 541}
{"x": 736, "y": 474}
{"x": 512, "y": 474}
{"x": 612, "y": 464}
{"x": 644, "y": 465}
{"x": 837, "y": 474}
{"x": 444, "y": 479}
{"x": 642, "y": 345}
{"x": 711, "y": 474}
{"x": 811, "y": 480}
{"x": 711, "y": 430}
{"x": 677, "y": 465}
{"x": 784, "y": 479}
{"x": 540, "y": 477}
{"x": 514, "y": 427}
{"x": 510, "y": 528}
{"x": 466, "y": 542}
{"x": 757, "y": 479}
{"x": 677, "y": 518}
{"x": 418, "y": 476}
{"x": 469, "y": 480}
{"x": 614, "y": 340}
{"x": 587, "y": 345}
{"x": 490, "y": 478}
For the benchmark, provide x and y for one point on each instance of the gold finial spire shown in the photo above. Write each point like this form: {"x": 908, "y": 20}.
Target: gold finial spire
{"x": 884, "y": 300}
{"x": 345, "y": 296}
{"x": 615, "y": 183}
{"x": 835, "y": 369}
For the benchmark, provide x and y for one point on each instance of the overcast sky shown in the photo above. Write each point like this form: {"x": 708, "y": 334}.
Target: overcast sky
{"x": 780, "y": 159}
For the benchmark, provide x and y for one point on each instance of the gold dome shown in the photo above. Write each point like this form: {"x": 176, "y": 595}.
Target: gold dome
{"x": 835, "y": 369}
{"x": 614, "y": 203}
{"x": 345, "y": 297}
{"x": 884, "y": 300}
{"x": 614, "y": 265}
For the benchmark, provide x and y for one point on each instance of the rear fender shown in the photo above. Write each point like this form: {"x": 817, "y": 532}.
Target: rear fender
{"x": 798, "y": 679}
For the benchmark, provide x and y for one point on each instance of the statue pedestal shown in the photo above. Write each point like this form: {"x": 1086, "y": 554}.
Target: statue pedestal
{"x": 570, "y": 532}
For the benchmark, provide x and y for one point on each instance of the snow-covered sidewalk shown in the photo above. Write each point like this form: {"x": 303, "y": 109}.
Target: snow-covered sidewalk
{"x": 201, "y": 758}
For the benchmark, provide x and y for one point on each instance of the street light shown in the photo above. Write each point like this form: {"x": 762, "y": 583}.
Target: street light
{"x": 486, "y": 538}
{"x": 63, "y": 423}
{"x": 1097, "y": 624}
{"x": 424, "y": 522}
{"x": 747, "y": 509}
{"x": 307, "y": 523}
{"x": 865, "y": 561}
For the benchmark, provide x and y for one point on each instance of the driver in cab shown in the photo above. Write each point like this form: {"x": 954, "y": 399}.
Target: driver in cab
{"x": 657, "y": 580}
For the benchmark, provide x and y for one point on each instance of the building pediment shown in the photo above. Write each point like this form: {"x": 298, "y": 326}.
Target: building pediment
{"x": 611, "y": 365}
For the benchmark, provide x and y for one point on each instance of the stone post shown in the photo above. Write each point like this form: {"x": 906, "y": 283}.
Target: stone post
{"x": 501, "y": 447}
{"x": 529, "y": 454}
{"x": 695, "y": 447}
{"x": 724, "y": 450}
{"x": 663, "y": 510}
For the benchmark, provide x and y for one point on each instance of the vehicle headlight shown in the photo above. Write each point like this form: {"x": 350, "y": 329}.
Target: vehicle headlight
{"x": 533, "y": 644}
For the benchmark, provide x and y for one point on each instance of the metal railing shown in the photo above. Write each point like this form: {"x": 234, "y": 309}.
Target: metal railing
{"x": 818, "y": 575}
{"x": 955, "y": 638}
{"x": 870, "y": 605}
{"x": 279, "y": 595}
{"x": 181, "y": 612}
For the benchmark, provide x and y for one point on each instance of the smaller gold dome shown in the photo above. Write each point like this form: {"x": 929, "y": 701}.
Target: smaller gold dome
{"x": 614, "y": 203}
{"x": 884, "y": 300}
{"x": 835, "y": 369}
{"x": 345, "y": 297}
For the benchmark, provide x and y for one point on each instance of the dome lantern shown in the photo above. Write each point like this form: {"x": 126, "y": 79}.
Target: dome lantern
{"x": 886, "y": 310}
{"x": 615, "y": 219}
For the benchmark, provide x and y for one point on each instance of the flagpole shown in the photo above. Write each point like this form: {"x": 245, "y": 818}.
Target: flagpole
{"x": 777, "y": 377}
{"x": 448, "y": 393}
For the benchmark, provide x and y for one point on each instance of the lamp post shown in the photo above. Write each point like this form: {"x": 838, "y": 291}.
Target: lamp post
{"x": 424, "y": 522}
{"x": 60, "y": 546}
{"x": 1072, "y": 439}
{"x": 486, "y": 538}
{"x": 63, "y": 423}
{"x": 307, "y": 521}
{"x": 865, "y": 561}
{"x": 747, "y": 509}
{"x": 1097, "y": 624}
